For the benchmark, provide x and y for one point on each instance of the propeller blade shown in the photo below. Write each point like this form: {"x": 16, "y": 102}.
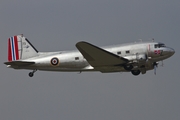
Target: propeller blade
{"x": 155, "y": 69}
{"x": 162, "y": 64}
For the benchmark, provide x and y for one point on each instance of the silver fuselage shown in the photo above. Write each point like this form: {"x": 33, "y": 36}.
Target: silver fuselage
{"x": 139, "y": 54}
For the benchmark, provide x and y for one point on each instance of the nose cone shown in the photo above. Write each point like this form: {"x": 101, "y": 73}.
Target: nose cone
{"x": 171, "y": 51}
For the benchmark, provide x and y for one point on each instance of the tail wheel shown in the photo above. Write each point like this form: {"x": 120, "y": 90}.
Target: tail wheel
{"x": 135, "y": 72}
{"x": 31, "y": 74}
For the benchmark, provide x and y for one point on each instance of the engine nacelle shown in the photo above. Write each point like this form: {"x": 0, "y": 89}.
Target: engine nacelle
{"x": 137, "y": 58}
{"x": 137, "y": 63}
{"x": 141, "y": 58}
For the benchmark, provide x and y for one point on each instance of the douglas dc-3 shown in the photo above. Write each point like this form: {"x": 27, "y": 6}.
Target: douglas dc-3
{"x": 133, "y": 57}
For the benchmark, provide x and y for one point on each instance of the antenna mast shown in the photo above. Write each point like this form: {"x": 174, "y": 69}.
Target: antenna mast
{"x": 153, "y": 39}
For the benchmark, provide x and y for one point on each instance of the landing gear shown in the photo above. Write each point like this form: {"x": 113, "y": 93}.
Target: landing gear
{"x": 136, "y": 72}
{"x": 128, "y": 67}
{"x": 31, "y": 74}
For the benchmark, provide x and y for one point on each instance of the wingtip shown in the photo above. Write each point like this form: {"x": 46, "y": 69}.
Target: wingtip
{"x": 81, "y": 42}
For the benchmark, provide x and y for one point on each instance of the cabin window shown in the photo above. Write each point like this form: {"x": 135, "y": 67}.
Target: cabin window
{"x": 127, "y": 52}
{"x": 119, "y": 52}
{"x": 76, "y": 58}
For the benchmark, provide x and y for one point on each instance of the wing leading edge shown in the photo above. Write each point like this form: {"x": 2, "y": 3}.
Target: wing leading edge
{"x": 98, "y": 57}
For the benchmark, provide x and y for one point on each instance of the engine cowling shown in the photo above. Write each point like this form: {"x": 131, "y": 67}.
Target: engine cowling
{"x": 141, "y": 58}
{"x": 137, "y": 61}
{"x": 137, "y": 58}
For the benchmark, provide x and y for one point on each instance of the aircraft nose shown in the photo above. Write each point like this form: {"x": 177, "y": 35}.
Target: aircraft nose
{"x": 169, "y": 51}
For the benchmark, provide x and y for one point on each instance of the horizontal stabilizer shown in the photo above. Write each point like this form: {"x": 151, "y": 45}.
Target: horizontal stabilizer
{"x": 97, "y": 57}
{"x": 19, "y": 63}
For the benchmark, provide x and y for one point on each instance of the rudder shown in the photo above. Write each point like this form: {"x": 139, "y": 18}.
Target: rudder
{"x": 13, "y": 48}
{"x": 19, "y": 47}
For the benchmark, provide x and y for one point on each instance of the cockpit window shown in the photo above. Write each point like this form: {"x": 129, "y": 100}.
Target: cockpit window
{"x": 159, "y": 45}
{"x": 162, "y": 45}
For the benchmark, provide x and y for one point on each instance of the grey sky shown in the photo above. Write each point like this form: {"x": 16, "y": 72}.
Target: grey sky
{"x": 59, "y": 25}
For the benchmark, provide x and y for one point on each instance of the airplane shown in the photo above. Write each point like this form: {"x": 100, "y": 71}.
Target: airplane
{"x": 138, "y": 57}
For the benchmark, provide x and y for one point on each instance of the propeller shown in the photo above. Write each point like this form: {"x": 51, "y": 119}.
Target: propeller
{"x": 155, "y": 64}
{"x": 162, "y": 65}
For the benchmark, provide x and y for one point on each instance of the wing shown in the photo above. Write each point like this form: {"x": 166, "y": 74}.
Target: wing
{"x": 19, "y": 63}
{"x": 98, "y": 57}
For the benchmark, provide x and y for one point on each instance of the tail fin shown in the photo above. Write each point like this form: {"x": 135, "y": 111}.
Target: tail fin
{"x": 20, "y": 48}
{"x": 13, "y": 49}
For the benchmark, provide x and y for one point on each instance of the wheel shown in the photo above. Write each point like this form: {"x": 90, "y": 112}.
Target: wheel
{"x": 135, "y": 72}
{"x": 31, "y": 74}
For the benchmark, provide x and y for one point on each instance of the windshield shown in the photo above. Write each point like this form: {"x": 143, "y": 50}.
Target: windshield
{"x": 159, "y": 45}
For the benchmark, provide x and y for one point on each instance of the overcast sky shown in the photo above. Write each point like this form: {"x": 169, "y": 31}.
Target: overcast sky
{"x": 59, "y": 25}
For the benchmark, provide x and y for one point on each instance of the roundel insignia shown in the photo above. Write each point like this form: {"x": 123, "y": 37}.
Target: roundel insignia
{"x": 54, "y": 61}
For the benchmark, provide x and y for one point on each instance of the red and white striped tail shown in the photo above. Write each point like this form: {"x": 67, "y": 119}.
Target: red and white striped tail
{"x": 13, "y": 49}
{"x": 20, "y": 48}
